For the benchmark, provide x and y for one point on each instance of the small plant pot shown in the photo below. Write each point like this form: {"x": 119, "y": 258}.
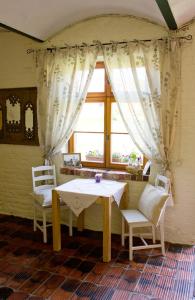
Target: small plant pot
{"x": 116, "y": 159}
{"x": 93, "y": 158}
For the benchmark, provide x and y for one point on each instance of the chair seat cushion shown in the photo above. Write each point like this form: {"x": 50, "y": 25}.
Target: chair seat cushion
{"x": 152, "y": 202}
{"x": 134, "y": 216}
{"x": 43, "y": 197}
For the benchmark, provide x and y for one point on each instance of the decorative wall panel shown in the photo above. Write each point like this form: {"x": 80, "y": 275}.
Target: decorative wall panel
{"x": 18, "y": 116}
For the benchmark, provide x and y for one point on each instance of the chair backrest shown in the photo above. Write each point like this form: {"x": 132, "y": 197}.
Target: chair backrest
{"x": 153, "y": 201}
{"x": 162, "y": 182}
{"x": 146, "y": 170}
{"x": 43, "y": 177}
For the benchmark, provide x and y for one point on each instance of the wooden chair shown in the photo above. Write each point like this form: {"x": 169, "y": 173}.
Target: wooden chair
{"x": 150, "y": 213}
{"x": 44, "y": 180}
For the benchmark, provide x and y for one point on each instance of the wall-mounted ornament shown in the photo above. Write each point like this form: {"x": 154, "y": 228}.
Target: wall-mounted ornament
{"x": 18, "y": 116}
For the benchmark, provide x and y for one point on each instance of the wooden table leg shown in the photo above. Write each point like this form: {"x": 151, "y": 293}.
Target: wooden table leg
{"x": 56, "y": 221}
{"x": 80, "y": 221}
{"x": 106, "y": 229}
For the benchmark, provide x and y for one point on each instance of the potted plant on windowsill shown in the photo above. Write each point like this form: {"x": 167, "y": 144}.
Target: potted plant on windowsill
{"x": 125, "y": 159}
{"x": 94, "y": 155}
{"x": 134, "y": 165}
{"x": 116, "y": 157}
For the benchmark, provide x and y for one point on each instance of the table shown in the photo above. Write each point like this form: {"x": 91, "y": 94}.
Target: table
{"x": 104, "y": 192}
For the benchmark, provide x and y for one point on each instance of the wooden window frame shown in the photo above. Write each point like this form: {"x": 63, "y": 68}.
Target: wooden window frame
{"x": 107, "y": 98}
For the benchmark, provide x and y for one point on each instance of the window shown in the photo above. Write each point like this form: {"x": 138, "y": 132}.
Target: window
{"x": 100, "y": 135}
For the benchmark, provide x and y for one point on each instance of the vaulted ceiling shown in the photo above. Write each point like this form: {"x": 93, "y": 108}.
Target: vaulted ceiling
{"x": 41, "y": 19}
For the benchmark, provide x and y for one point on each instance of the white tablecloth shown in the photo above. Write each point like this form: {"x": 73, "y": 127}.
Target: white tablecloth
{"x": 79, "y": 194}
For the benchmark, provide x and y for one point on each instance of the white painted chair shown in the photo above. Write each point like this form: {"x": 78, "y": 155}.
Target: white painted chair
{"x": 150, "y": 213}
{"x": 44, "y": 180}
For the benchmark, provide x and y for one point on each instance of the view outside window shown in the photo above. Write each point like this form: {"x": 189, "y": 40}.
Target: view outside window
{"x": 89, "y": 133}
{"x": 97, "y": 84}
{"x": 100, "y": 135}
{"x": 121, "y": 144}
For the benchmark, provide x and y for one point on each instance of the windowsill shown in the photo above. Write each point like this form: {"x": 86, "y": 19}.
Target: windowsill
{"x": 106, "y": 174}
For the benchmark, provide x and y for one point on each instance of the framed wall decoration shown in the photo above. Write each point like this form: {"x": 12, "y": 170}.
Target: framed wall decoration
{"x": 18, "y": 116}
{"x": 72, "y": 159}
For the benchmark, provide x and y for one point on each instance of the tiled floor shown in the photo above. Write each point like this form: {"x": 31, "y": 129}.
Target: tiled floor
{"x": 31, "y": 270}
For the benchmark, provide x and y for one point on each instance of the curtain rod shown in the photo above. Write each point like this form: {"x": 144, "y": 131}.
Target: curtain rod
{"x": 187, "y": 37}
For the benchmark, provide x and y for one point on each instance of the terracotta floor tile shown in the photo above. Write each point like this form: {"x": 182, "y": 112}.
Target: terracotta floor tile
{"x": 154, "y": 265}
{"x": 11, "y": 269}
{"x": 91, "y": 291}
{"x": 30, "y": 269}
{"x": 145, "y": 283}
{"x": 121, "y": 294}
{"x": 97, "y": 273}
{"x": 5, "y": 292}
{"x": 84, "y": 250}
{"x": 163, "y": 287}
{"x": 35, "y": 298}
{"x": 112, "y": 277}
{"x": 129, "y": 280}
{"x": 49, "y": 287}
{"x": 82, "y": 270}
{"x": 169, "y": 267}
{"x": 42, "y": 260}
{"x": 183, "y": 290}
{"x": 123, "y": 259}
{"x": 69, "y": 265}
{"x": 35, "y": 281}
{"x": 66, "y": 290}
{"x": 140, "y": 297}
{"x": 18, "y": 296}
{"x": 174, "y": 251}
{"x": 185, "y": 270}
{"x": 24, "y": 255}
{"x": 96, "y": 253}
{"x": 138, "y": 261}
{"x": 20, "y": 277}
{"x": 55, "y": 262}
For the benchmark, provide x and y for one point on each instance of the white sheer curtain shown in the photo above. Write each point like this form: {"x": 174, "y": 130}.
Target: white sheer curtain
{"x": 63, "y": 79}
{"x": 145, "y": 80}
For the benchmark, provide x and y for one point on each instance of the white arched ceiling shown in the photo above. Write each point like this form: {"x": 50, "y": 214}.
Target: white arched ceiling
{"x": 44, "y": 18}
{"x": 183, "y": 10}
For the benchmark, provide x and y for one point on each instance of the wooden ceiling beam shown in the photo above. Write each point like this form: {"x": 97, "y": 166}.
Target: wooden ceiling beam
{"x": 167, "y": 13}
{"x": 21, "y": 33}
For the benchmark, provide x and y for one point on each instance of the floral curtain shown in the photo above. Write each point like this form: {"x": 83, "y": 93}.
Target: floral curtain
{"x": 63, "y": 79}
{"x": 145, "y": 81}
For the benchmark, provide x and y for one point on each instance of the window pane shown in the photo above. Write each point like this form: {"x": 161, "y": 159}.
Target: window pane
{"x": 117, "y": 124}
{"x": 91, "y": 118}
{"x": 126, "y": 82}
{"x": 90, "y": 145}
{"x": 97, "y": 83}
{"x": 121, "y": 147}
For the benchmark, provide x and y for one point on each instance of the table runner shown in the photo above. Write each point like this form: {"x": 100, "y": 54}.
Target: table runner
{"x": 79, "y": 194}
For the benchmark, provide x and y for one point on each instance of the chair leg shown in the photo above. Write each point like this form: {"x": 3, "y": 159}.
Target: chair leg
{"x": 162, "y": 238}
{"x": 70, "y": 222}
{"x": 130, "y": 242}
{"x": 44, "y": 227}
{"x": 153, "y": 235}
{"x": 123, "y": 232}
{"x": 35, "y": 219}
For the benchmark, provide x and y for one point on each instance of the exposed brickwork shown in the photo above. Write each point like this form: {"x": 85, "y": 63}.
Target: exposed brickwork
{"x": 111, "y": 175}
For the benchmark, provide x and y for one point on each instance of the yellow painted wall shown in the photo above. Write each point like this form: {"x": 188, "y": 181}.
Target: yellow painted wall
{"x": 17, "y": 70}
